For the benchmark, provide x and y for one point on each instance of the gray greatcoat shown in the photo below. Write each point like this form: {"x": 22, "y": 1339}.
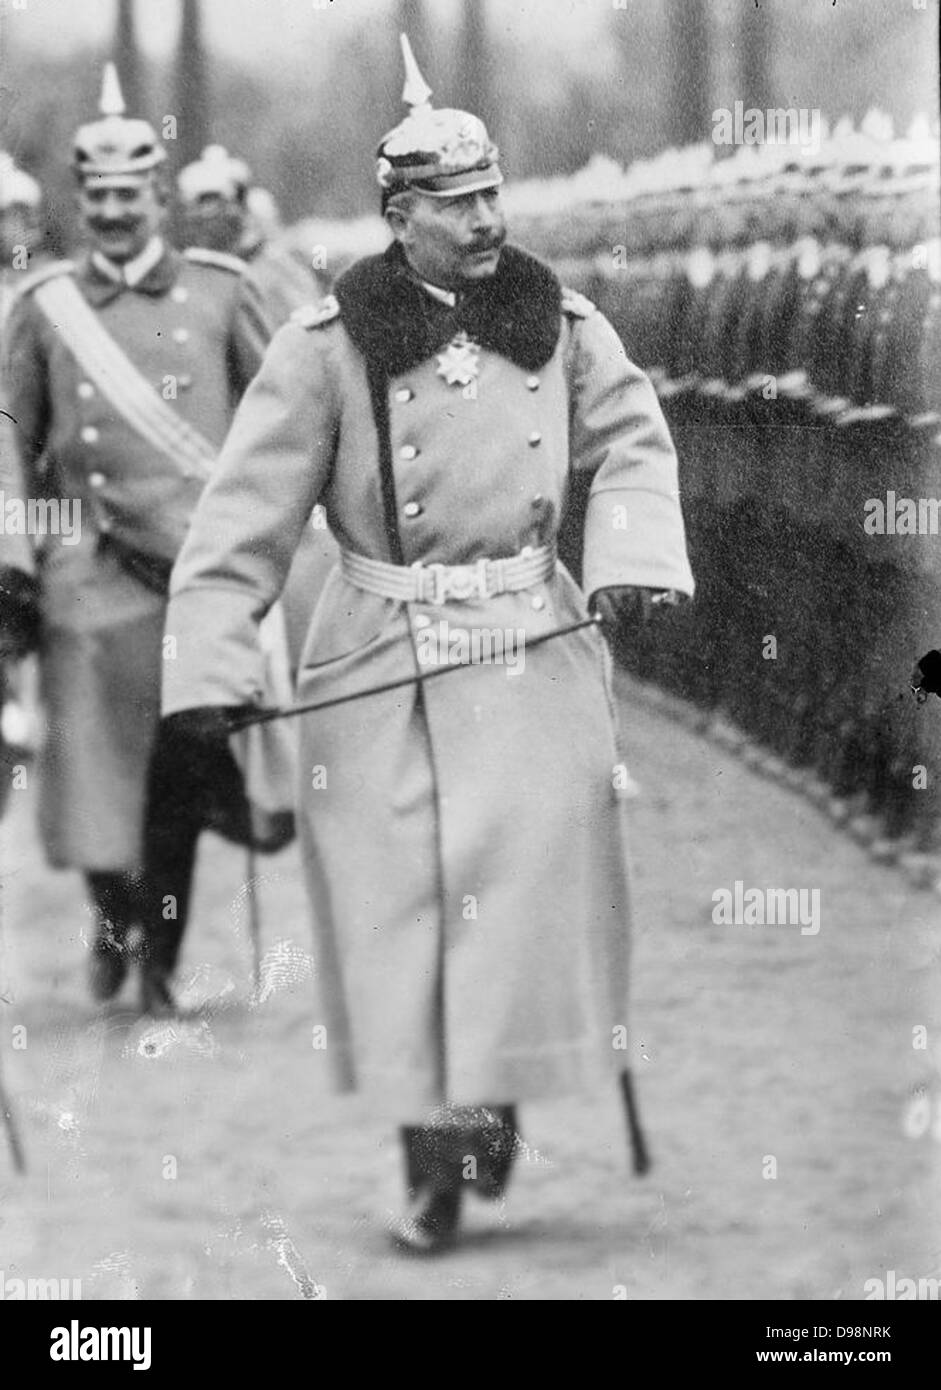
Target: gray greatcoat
{"x": 463, "y": 842}
{"x": 196, "y": 322}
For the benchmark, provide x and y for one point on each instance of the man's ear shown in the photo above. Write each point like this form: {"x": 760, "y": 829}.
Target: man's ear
{"x": 397, "y": 219}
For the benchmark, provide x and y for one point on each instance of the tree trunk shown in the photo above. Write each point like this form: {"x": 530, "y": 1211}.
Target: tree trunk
{"x": 192, "y": 105}
{"x": 690, "y": 116}
{"x": 127, "y": 59}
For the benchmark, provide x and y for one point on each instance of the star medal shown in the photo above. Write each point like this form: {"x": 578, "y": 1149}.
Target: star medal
{"x": 458, "y": 363}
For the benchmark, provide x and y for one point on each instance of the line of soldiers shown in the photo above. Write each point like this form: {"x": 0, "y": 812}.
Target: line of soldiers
{"x": 791, "y": 322}
{"x": 439, "y": 410}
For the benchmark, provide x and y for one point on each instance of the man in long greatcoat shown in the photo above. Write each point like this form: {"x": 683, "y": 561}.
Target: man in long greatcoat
{"x": 462, "y": 836}
{"x": 122, "y": 371}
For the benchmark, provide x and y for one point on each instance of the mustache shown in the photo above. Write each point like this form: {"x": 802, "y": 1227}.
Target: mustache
{"x": 488, "y": 243}
{"x": 110, "y": 226}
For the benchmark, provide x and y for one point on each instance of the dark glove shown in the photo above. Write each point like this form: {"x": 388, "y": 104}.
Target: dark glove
{"x": 207, "y": 725}
{"x": 19, "y": 613}
{"x": 622, "y": 606}
{"x": 925, "y": 680}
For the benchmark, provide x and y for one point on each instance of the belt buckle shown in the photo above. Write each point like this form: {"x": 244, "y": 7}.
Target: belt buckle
{"x": 463, "y": 581}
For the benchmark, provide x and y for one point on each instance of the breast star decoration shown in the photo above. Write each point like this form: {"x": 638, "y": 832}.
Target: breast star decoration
{"x": 458, "y": 363}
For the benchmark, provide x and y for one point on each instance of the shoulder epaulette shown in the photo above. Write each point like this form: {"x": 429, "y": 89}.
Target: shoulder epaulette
{"x": 203, "y": 256}
{"x": 315, "y": 315}
{"x": 577, "y": 304}
{"x": 35, "y": 278}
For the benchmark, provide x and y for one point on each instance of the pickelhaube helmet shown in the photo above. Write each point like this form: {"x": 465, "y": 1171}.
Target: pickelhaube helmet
{"x": 117, "y": 144}
{"x": 438, "y": 153}
{"x": 215, "y": 171}
{"x": 17, "y": 188}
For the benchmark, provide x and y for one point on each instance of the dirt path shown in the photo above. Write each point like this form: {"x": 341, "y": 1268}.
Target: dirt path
{"x": 754, "y": 1044}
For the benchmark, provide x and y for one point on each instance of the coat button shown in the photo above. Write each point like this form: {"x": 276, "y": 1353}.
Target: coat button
{"x": 412, "y": 509}
{"x": 85, "y": 390}
{"x": 90, "y": 435}
{"x": 97, "y": 479}
{"x": 534, "y": 439}
{"x": 179, "y": 294}
{"x": 181, "y": 335}
{"x": 532, "y": 383}
{"x": 538, "y": 602}
{"x": 537, "y": 500}
{"x": 404, "y": 394}
{"x": 408, "y": 451}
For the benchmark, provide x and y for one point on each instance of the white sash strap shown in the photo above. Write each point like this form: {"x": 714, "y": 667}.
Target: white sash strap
{"x": 119, "y": 381}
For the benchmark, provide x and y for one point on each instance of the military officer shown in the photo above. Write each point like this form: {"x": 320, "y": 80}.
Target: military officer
{"x": 20, "y": 228}
{"x": 122, "y": 372}
{"x": 214, "y": 200}
{"x": 463, "y": 839}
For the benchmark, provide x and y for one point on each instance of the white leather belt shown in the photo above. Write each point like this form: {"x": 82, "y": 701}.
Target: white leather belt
{"x": 435, "y": 583}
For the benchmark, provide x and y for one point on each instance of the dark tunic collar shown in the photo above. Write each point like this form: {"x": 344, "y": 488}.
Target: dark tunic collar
{"x": 395, "y": 322}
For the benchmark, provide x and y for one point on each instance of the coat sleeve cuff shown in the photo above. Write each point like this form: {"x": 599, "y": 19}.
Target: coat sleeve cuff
{"x": 211, "y": 650}
{"x": 635, "y": 537}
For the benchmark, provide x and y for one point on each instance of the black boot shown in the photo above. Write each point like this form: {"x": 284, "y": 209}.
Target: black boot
{"x": 113, "y": 897}
{"x": 156, "y": 997}
{"x": 496, "y": 1144}
{"x": 434, "y": 1177}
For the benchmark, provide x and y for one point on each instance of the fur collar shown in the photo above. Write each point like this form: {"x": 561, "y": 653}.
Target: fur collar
{"x": 394, "y": 322}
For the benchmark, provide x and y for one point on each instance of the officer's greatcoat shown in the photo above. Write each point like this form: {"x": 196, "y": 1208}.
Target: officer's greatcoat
{"x": 193, "y": 327}
{"x": 463, "y": 840}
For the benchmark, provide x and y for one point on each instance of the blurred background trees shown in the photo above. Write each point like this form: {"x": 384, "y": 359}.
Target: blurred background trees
{"x": 556, "y": 83}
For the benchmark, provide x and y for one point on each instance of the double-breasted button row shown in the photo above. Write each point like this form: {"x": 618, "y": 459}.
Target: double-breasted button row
{"x": 412, "y": 509}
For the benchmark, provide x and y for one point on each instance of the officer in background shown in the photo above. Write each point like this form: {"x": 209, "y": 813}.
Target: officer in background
{"x": 122, "y": 371}
{"x": 21, "y": 230}
{"x": 221, "y": 210}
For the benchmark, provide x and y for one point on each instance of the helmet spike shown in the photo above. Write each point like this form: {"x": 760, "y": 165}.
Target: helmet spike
{"x": 416, "y": 91}
{"x": 112, "y": 98}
